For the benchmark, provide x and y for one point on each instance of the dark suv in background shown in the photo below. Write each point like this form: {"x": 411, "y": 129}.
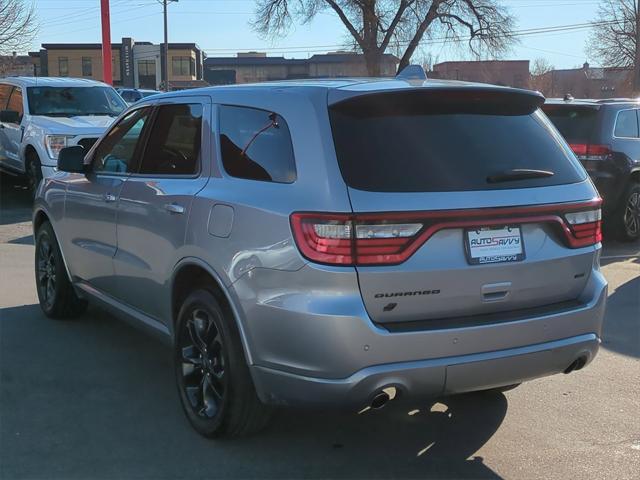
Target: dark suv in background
{"x": 605, "y": 136}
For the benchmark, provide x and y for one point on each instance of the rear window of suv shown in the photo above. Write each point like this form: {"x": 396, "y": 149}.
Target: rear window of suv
{"x": 418, "y": 142}
{"x": 576, "y": 124}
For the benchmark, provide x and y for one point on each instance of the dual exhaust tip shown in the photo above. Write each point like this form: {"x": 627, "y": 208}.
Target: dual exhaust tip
{"x": 577, "y": 364}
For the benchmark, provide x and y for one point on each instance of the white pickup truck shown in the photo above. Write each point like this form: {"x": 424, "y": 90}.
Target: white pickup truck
{"x": 41, "y": 116}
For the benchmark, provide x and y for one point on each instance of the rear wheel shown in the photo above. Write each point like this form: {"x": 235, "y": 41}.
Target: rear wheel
{"x": 628, "y": 215}
{"x": 215, "y": 386}
{"x": 55, "y": 292}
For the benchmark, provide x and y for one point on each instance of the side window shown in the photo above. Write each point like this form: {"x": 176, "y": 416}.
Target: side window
{"x": 115, "y": 154}
{"x": 5, "y": 91}
{"x": 174, "y": 142}
{"x": 256, "y": 145}
{"x": 627, "y": 124}
{"x": 15, "y": 103}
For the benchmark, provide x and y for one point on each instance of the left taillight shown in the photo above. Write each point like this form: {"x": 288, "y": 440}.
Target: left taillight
{"x": 343, "y": 239}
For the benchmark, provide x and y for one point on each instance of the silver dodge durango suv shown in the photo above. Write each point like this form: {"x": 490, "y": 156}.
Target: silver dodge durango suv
{"x": 331, "y": 243}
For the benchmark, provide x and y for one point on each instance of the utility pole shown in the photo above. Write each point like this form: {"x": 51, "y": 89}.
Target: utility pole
{"x": 107, "y": 75}
{"x": 165, "y": 70}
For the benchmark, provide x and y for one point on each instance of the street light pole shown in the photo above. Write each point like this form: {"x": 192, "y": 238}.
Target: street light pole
{"x": 165, "y": 72}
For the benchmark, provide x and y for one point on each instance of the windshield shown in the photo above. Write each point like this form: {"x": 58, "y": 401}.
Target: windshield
{"x": 74, "y": 101}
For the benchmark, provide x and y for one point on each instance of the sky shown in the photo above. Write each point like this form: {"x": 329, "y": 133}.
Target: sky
{"x": 223, "y": 27}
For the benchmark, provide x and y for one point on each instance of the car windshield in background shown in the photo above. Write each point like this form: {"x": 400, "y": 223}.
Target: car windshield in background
{"x": 415, "y": 144}
{"x": 576, "y": 124}
{"x": 74, "y": 101}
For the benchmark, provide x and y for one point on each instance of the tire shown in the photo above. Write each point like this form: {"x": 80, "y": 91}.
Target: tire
{"x": 55, "y": 292}
{"x": 34, "y": 172}
{"x": 213, "y": 379}
{"x": 627, "y": 217}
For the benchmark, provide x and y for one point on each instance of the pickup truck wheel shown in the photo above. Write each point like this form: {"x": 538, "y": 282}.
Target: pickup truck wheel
{"x": 628, "y": 215}
{"x": 214, "y": 383}
{"x": 34, "y": 172}
{"x": 55, "y": 292}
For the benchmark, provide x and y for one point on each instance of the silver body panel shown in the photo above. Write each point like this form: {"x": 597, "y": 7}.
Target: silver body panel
{"x": 313, "y": 333}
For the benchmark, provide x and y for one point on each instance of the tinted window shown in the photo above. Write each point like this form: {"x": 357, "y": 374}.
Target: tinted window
{"x": 256, "y": 145}
{"x": 5, "y": 91}
{"x": 129, "y": 96}
{"x": 173, "y": 147}
{"x": 73, "y": 101}
{"x": 117, "y": 151}
{"x": 576, "y": 124}
{"x": 408, "y": 144}
{"x": 627, "y": 124}
{"x": 15, "y": 102}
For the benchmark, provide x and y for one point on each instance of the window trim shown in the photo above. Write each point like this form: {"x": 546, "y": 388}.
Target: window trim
{"x": 66, "y": 59}
{"x": 88, "y": 60}
{"x": 91, "y": 154}
{"x": 218, "y": 146}
{"x": 154, "y": 115}
{"x": 615, "y": 124}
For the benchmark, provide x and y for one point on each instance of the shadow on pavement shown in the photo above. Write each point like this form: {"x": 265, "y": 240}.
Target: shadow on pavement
{"x": 95, "y": 398}
{"x": 621, "y": 330}
{"x": 15, "y": 200}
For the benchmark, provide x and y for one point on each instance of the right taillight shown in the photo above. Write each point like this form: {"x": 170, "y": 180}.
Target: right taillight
{"x": 585, "y": 227}
{"x": 589, "y": 151}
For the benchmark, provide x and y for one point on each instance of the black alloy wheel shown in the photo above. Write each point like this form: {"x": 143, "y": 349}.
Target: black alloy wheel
{"x": 203, "y": 364}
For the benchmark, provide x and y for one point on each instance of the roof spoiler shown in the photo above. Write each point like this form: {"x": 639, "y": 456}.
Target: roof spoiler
{"x": 412, "y": 72}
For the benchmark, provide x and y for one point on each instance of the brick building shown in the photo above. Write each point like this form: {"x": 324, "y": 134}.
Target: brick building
{"x": 512, "y": 73}
{"x": 253, "y": 67}
{"x": 587, "y": 82}
{"x": 19, "y": 65}
{"x": 134, "y": 64}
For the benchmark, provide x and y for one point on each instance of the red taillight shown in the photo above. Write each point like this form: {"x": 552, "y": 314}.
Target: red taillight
{"x": 591, "y": 152}
{"x": 391, "y": 238}
{"x": 344, "y": 239}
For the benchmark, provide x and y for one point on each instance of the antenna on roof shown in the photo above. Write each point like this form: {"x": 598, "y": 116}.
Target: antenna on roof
{"x": 412, "y": 72}
{"x": 568, "y": 97}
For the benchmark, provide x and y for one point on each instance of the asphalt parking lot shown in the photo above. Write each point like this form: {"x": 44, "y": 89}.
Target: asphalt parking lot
{"x": 95, "y": 398}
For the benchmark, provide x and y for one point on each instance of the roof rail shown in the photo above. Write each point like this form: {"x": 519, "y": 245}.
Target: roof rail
{"x": 412, "y": 72}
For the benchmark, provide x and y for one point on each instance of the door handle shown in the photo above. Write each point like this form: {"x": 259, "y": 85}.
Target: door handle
{"x": 109, "y": 197}
{"x": 174, "y": 208}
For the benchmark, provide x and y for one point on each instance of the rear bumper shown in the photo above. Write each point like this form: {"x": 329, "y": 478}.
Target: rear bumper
{"x": 428, "y": 378}
{"x": 340, "y": 358}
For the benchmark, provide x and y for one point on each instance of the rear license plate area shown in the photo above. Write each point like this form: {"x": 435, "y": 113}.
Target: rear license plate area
{"x": 486, "y": 245}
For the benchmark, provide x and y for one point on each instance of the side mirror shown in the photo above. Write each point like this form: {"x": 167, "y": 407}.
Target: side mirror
{"x": 71, "y": 159}
{"x": 9, "y": 116}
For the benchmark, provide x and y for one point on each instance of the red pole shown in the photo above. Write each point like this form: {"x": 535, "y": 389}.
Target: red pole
{"x": 106, "y": 42}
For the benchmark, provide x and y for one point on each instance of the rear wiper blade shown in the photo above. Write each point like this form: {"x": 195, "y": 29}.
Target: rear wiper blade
{"x": 518, "y": 174}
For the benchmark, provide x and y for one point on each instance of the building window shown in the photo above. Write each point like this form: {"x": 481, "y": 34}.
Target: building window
{"x": 146, "y": 67}
{"x": 63, "y": 66}
{"x": 182, "y": 66}
{"x": 87, "y": 69}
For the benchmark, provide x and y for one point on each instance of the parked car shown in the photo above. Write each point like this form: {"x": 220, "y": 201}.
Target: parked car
{"x": 40, "y": 116}
{"x": 331, "y": 243}
{"x": 604, "y": 135}
{"x": 133, "y": 95}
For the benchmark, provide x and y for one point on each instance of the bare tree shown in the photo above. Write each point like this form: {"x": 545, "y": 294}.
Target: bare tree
{"x": 614, "y": 39}
{"x": 17, "y": 25}
{"x": 374, "y": 25}
{"x": 541, "y": 75}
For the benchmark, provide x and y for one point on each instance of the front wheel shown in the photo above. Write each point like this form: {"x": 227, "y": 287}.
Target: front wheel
{"x": 34, "y": 173}
{"x": 215, "y": 386}
{"x": 628, "y": 215}
{"x": 55, "y": 292}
